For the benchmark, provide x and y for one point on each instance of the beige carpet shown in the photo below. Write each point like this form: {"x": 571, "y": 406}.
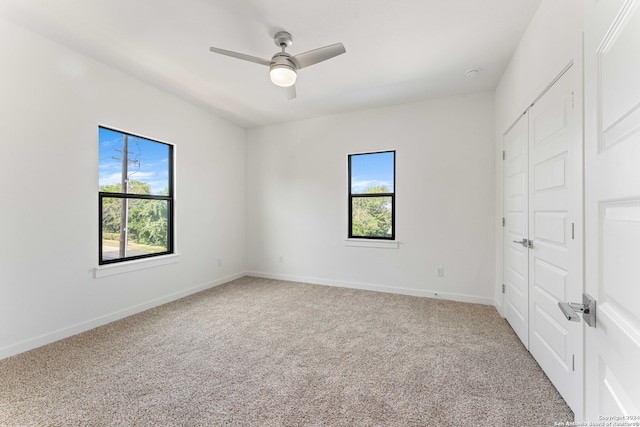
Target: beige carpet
{"x": 260, "y": 352}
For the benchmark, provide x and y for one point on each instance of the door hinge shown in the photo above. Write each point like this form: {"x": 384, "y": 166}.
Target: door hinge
{"x": 504, "y": 221}
{"x": 504, "y": 155}
{"x": 503, "y": 288}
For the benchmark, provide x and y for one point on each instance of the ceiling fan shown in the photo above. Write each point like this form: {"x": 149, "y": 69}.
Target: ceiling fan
{"x": 283, "y": 67}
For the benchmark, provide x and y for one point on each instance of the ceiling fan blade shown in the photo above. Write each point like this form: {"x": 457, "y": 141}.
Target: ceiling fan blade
{"x": 249, "y": 58}
{"x": 318, "y": 55}
{"x": 290, "y": 92}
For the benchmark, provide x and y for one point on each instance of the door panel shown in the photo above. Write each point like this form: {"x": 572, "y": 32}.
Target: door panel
{"x": 551, "y": 332}
{"x": 612, "y": 143}
{"x": 516, "y": 269}
{"x": 548, "y": 123}
{"x": 620, "y": 237}
{"x": 551, "y": 227}
{"x": 551, "y": 279}
{"x": 555, "y": 208}
{"x": 551, "y": 173}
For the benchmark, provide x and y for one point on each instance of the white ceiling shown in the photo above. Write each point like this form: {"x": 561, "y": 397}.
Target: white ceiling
{"x": 397, "y": 51}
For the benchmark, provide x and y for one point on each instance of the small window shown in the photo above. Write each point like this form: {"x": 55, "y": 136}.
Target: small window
{"x": 135, "y": 197}
{"x": 372, "y": 197}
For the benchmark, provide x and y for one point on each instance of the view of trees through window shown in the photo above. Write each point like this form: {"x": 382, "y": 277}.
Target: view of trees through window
{"x": 135, "y": 178}
{"x": 372, "y": 195}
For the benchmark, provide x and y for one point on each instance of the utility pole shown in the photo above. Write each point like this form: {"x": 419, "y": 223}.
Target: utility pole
{"x": 124, "y": 189}
{"x": 123, "y": 211}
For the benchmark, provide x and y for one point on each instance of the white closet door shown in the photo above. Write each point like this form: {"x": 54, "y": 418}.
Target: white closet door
{"x": 543, "y": 238}
{"x": 516, "y": 212}
{"x": 555, "y": 230}
{"x": 612, "y": 143}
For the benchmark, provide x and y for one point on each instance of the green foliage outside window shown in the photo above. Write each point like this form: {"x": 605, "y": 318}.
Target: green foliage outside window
{"x": 371, "y": 216}
{"x": 148, "y": 219}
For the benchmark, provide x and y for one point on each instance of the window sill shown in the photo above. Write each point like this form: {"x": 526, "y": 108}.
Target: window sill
{"x": 135, "y": 265}
{"x": 370, "y": 243}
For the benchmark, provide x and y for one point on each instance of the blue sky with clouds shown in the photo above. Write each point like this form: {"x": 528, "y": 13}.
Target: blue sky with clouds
{"x": 370, "y": 170}
{"x": 152, "y": 157}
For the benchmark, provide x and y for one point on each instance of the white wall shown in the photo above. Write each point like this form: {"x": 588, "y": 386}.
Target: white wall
{"x": 297, "y": 199}
{"x": 51, "y": 103}
{"x": 551, "y": 42}
{"x": 448, "y": 187}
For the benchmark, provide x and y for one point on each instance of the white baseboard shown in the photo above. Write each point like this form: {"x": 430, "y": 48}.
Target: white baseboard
{"x": 69, "y": 331}
{"x": 376, "y": 288}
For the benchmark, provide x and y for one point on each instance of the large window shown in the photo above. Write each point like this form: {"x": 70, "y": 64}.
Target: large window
{"x": 372, "y": 197}
{"x": 135, "y": 197}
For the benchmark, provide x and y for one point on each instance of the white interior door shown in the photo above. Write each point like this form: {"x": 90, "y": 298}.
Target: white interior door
{"x": 516, "y": 214}
{"x": 612, "y": 144}
{"x": 555, "y": 214}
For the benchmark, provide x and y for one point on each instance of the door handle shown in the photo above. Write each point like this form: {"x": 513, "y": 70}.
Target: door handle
{"x": 587, "y": 308}
{"x": 524, "y": 242}
{"x": 569, "y": 310}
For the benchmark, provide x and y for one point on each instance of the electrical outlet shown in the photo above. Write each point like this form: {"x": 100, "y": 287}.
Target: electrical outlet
{"x": 440, "y": 272}
{"x": 219, "y": 262}
{"x": 281, "y": 259}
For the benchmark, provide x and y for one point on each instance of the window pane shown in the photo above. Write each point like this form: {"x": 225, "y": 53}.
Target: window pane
{"x": 371, "y": 217}
{"x": 372, "y": 173}
{"x": 146, "y": 230}
{"x": 146, "y": 168}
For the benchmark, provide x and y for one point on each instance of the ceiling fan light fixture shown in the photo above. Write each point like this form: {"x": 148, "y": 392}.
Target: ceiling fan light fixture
{"x": 283, "y": 75}
{"x": 283, "y": 68}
